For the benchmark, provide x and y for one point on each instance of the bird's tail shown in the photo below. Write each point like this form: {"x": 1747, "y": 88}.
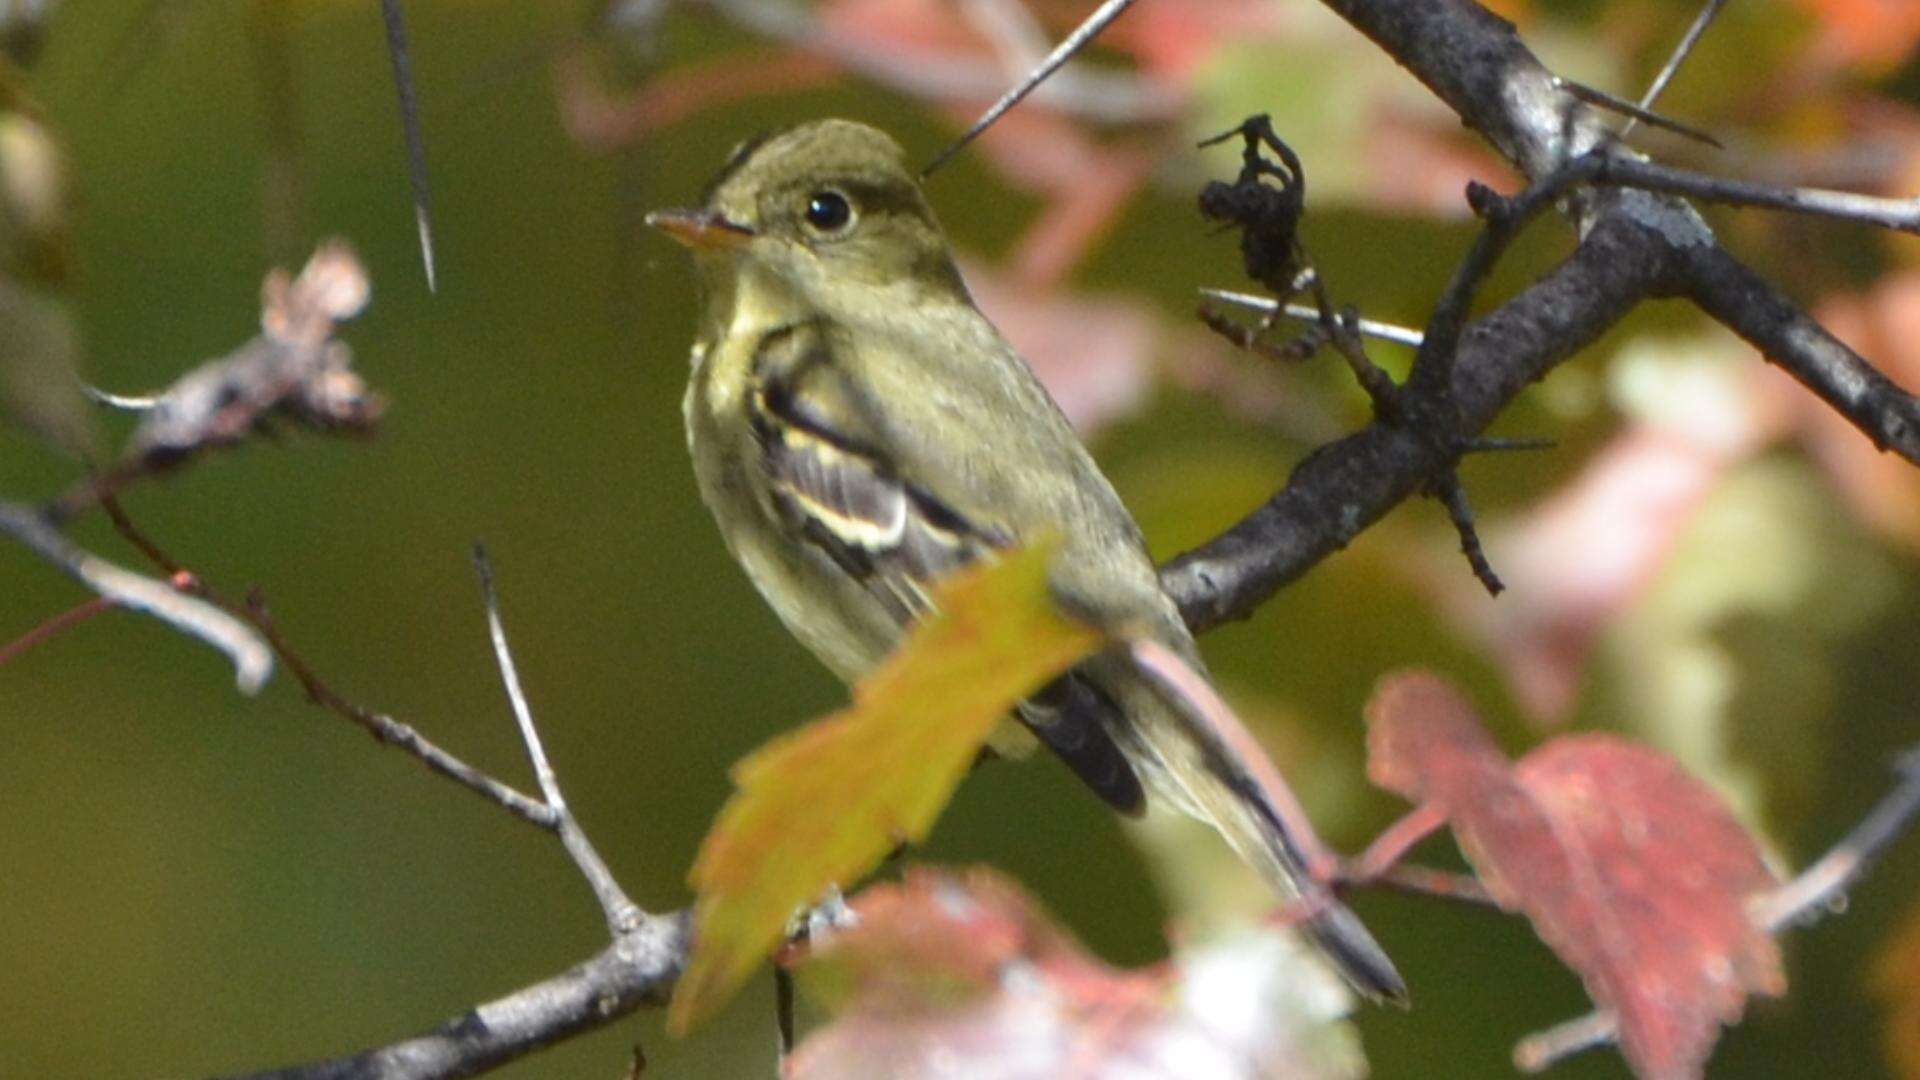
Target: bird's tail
{"x": 1192, "y": 751}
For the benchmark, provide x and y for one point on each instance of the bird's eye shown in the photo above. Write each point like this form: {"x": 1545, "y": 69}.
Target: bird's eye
{"x": 828, "y": 211}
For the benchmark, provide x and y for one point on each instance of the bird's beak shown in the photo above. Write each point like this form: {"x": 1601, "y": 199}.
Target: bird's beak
{"x": 701, "y": 230}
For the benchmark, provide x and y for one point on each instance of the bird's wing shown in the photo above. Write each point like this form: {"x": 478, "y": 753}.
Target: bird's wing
{"x": 823, "y": 448}
{"x": 836, "y": 487}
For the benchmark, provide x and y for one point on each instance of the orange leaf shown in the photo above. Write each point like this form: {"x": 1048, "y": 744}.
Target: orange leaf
{"x": 821, "y": 806}
{"x": 1633, "y": 872}
{"x": 1896, "y": 975}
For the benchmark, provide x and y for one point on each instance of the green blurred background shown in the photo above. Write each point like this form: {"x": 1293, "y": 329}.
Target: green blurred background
{"x": 194, "y": 882}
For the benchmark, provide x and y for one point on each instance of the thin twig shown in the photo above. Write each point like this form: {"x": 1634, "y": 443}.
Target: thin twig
{"x": 1680, "y": 54}
{"x": 1604, "y": 100}
{"x": 1814, "y": 890}
{"x": 1392, "y": 844}
{"x": 1438, "y": 884}
{"x": 1544, "y": 1049}
{"x": 1902, "y": 215}
{"x": 1384, "y": 331}
{"x": 394, "y": 733}
{"x": 622, "y": 914}
{"x": 1081, "y": 37}
{"x": 411, "y": 129}
{"x": 251, "y": 657}
{"x": 73, "y": 616}
{"x": 1453, "y": 495}
{"x": 254, "y": 618}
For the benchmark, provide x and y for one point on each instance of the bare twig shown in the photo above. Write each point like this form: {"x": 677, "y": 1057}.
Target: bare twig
{"x": 1438, "y": 884}
{"x": 394, "y": 733}
{"x": 73, "y": 616}
{"x": 1504, "y": 218}
{"x": 638, "y": 968}
{"x": 1680, "y": 53}
{"x": 622, "y": 914}
{"x": 1453, "y": 495}
{"x": 1814, "y": 890}
{"x": 1602, "y": 99}
{"x": 1398, "y": 335}
{"x": 1544, "y": 1049}
{"x": 1902, "y": 215}
{"x": 395, "y": 20}
{"x": 1381, "y": 864}
{"x": 273, "y": 643}
{"x": 1082, "y": 36}
{"x": 252, "y": 660}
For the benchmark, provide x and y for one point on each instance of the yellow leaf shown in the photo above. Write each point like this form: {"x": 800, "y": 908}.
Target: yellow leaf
{"x": 821, "y": 806}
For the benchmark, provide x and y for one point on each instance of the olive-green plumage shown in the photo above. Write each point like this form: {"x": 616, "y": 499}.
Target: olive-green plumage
{"x": 858, "y": 429}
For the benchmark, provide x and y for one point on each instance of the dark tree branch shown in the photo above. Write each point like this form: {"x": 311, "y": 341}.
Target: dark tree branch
{"x": 1636, "y": 245}
{"x": 1796, "y": 343}
{"x": 1342, "y": 488}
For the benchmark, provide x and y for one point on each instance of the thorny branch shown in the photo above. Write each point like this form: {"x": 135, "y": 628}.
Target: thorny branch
{"x": 1634, "y": 245}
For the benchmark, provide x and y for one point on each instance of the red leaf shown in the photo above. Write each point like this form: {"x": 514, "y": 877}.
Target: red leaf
{"x": 1633, "y": 872}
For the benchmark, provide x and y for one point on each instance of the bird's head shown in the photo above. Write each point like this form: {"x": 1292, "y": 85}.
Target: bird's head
{"x": 824, "y": 208}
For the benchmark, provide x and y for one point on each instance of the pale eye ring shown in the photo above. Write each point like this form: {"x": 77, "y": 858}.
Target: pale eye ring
{"x": 828, "y": 211}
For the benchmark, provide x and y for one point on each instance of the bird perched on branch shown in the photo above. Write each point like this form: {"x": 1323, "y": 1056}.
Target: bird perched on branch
{"x": 859, "y": 430}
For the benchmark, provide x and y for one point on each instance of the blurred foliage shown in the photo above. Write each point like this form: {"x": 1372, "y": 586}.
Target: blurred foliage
{"x": 200, "y": 883}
